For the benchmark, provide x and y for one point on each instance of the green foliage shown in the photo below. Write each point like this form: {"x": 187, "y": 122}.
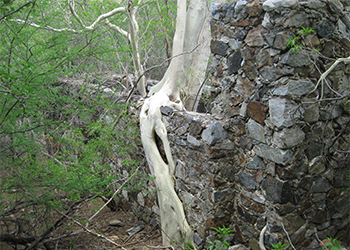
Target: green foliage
{"x": 292, "y": 42}
{"x": 332, "y": 244}
{"x": 189, "y": 246}
{"x": 58, "y": 145}
{"x": 158, "y": 18}
{"x": 44, "y": 149}
{"x": 306, "y": 31}
{"x": 279, "y": 246}
{"x": 218, "y": 244}
{"x": 55, "y": 144}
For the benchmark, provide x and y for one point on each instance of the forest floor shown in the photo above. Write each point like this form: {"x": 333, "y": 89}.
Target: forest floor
{"x": 101, "y": 234}
{"x": 146, "y": 238}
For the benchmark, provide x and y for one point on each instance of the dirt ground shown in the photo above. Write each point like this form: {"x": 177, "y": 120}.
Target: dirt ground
{"x": 147, "y": 237}
{"x": 102, "y": 235}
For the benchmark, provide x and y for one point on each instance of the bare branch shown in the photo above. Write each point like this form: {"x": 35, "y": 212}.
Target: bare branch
{"x": 16, "y": 240}
{"x": 32, "y": 24}
{"x": 72, "y": 10}
{"x": 52, "y": 157}
{"x": 105, "y": 16}
{"x": 164, "y": 30}
{"x": 79, "y": 231}
{"x": 117, "y": 28}
{"x": 89, "y": 28}
{"x": 328, "y": 71}
{"x": 340, "y": 134}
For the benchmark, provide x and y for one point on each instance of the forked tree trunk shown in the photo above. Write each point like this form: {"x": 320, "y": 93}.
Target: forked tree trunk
{"x": 167, "y": 93}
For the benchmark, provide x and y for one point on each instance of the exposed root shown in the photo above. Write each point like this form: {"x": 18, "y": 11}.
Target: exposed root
{"x": 261, "y": 238}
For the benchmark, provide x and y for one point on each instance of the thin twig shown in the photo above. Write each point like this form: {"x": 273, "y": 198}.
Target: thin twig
{"x": 292, "y": 112}
{"x": 52, "y": 157}
{"x": 320, "y": 241}
{"x": 169, "y": 237}
{"x": 325, "y": 79}
{"x": 340, "y": 133}
{"x": 290, "y": 241}
{"x": 139, "y": 241}
{"x": 343, "y": 152}
{"x": 200, "y": 89}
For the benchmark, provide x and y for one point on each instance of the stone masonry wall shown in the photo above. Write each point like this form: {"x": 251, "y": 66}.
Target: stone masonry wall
{"x": 267, "y": 149}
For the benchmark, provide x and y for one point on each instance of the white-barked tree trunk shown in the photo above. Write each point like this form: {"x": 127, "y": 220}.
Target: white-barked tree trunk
{"x": 190, "y": 26}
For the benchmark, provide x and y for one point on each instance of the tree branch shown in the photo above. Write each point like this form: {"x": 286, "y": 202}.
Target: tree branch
{"x": 71, "y": 7}
{"x": 105, "y": 16}
{"x": 117, "y": 28}
{"x": 328, "y": 71}
{"x": 19, "y": 8}
{"x": 32, "y": 24}
{"x": 290, "y": 241}
{"x": 89, "y": 28}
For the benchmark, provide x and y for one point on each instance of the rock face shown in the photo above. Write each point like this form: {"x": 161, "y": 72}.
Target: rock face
{"x": 214, "y": 133}
{"x": 265, "y": 149}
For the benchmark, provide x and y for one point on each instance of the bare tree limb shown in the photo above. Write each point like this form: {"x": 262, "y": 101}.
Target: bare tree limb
{"x": 32, "y": 24}
{"x": 200, "y": 90}
{"x": 117, "y": 28}
{"x": 89, "y": 28}
{"x": 72, "y": 10}
{"x": 340, "y": 134}
{"x": 164, "y": 30}
{"x": 105, "y": 16}
{"x": 327, "y": 72}
{"x": 76, "y": 232}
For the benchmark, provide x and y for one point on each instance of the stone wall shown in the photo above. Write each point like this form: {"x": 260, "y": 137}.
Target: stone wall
{"x": 267, "y": 149}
